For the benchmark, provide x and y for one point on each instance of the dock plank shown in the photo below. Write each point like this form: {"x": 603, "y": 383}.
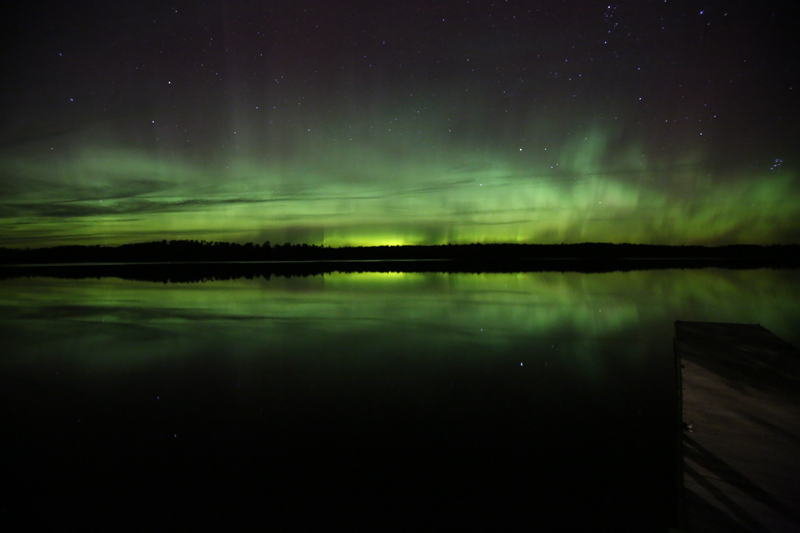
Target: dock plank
{"x": 740, "y": 440}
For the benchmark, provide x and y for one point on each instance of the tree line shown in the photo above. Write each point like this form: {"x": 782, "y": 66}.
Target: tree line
{"x": 194, "y": 251}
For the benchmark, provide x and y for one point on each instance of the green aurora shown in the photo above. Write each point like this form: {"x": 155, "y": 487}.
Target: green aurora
{"x": 339, "y": 192}
{"x": 421, "y": 123}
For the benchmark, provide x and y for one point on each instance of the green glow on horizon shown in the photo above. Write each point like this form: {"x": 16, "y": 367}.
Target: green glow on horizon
{"x": 335, "y": 192}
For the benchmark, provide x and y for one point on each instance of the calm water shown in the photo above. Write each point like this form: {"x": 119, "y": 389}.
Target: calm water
{"x": 382, "y": 400}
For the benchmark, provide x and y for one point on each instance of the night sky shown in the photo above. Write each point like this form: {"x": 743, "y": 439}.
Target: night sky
{"x": 374, "y": 122}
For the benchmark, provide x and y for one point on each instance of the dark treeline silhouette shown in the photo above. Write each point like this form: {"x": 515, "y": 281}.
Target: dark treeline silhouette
{"x": 202, "y": 251}
{"x": 193, "y": 261}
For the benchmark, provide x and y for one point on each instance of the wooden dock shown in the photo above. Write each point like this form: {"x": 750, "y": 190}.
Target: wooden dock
{"x": 739, "y": 441}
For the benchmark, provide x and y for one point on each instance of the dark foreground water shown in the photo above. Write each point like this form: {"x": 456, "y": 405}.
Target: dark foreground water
{"x": 383, "y": 401}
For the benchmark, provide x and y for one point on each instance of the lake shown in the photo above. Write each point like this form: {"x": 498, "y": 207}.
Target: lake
{"x": 377, "y": 400}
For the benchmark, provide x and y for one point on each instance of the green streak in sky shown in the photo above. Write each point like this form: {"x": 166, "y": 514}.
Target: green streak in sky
{"x": 333, "y": 189}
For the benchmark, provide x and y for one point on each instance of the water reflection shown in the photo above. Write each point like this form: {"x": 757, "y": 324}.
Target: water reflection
{"x": 480, "y": 313}
{"x": 504, "y": 399}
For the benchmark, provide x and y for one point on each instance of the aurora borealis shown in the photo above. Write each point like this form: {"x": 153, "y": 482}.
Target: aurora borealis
{"x": 373, "y": 123}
